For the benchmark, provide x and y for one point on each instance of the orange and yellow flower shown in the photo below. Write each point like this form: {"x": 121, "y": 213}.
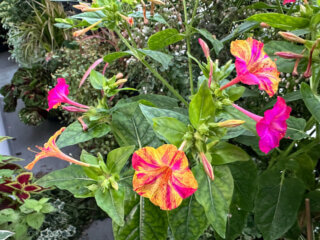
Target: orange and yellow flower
{"x": 163, "y": 176}
{"x": 50, "y": 149}
{"x": 254, "y": 66}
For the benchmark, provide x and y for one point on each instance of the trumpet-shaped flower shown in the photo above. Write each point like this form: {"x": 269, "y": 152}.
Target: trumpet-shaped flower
{"x": 163, "y": 176}
{"x": 288, "y": 1}
{"x": 273, "y": 126}
{"x": 253, "y": 66}
{"x": 50, "y": 149}
{"x": 59, "y": 94}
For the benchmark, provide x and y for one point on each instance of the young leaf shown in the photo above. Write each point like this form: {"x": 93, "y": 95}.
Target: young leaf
{"x": 242, "y": 28}
{"x": 163, "y": 58}
{"x": 117, "y": 158}
{"x": 35, "y": 220}
{"x": 201, "y": 108}
{"x": 3, "y": 138}
{"x": 224, "y": 153}
{"x": 164, "y": 38}
{"x": 311, "y": 100}
{"x": 72, "y": 178}
{"x": 217, "y": 45}
{"x": 74, "y": 134}
{"x": 187, "y": 221}
{"x": 170, "y": 128}
{"x": 277, "y": 203}
{"x": 215, "y": 196}
{"x": 109, "y": 58}
{"x": 97, "y": 80}
{"x": 281, "y": 21}
{"x": 295, "y": 130}
{"x": 112, "y": 202}
{"x": 4, "y": 234}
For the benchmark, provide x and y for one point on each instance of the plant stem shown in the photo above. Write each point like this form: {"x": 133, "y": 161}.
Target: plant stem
{"x": 308, "y": 217}
{"x": 155, "y": 72}
{"x": 187, "y": 26}
{"x": 279, "y": 6}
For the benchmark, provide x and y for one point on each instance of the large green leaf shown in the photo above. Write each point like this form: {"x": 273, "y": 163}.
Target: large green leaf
{"x": 90, "y": 17}
{"x": 289, "y": 97}
{"x": 74, "y": 134}
{"x": 314, "y": 197}
{"x": 130, "y": 127}
{"x": 112, "y": 202}
{"x": 72, "y": 178}
{"x": 215, "y": 196}
{"x": 152, "y": 112}
{"x": 311, "y": 100}
{"x": 118, "y": 157}
{"x": 97, "y": 80}
{"x": 225, "y": 152}
{"x": 245, "y": 184}
{"x": 163, "y": 58}
{"x": 283, "y": 65}
{"x": 201, "y": 108}
{"x": 164, "y": 38}
{"x": 277, "y": 203}
{"x": 295, "y": 130}
{"x": 143, "y": 220}
{"x": 281, "y": 21}
{"x": 187, "y": 221}
{"x": 171, "y": 129}
{"x": 237, "y": 220}
{"x": 159, "y": 101}
{"x": 35, "y": 220}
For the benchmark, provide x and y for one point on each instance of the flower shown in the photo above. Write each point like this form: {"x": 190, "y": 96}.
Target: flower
{"x": 292, "y": 37}
{"x": 288, "y": 1}
{"x": 253, "y": 66}
{"x": 273, "y": 126}
{"x": 129, "y": 20}
{"x": 59, "y": 94}
{"x": 21, "y": 187}
{"x": 87, "y": 29}
{"x": 163, "y": 176}
{"x": 50, "y": 149}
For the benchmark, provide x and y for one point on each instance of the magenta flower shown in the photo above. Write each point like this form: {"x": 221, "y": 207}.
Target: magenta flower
{"x": 272, "y": 127}
{"x": 288, "y": 1}
{"x": 59, "y": 94}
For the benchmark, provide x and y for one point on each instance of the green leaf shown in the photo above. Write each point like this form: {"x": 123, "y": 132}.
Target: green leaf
{"x": 163, "y": 58}
{"x": 6, "y": 173}
{"x": 215, "y": 196}
{"x": 314, "y": 198}
{"x": 289, "y": 97}
{"x": 224, "y": 153}
{"x": 237, "y": 220}
{"x": 187, "y": 221}
{"x": 159, "y": 101}
{"x": 281, "y": 21}
{"x": 262, "y": 5}
{"x": 90, "y": 17}
{"x": 109, "y": 58}
{"x": 97, "y": 80}
{"x": 283, "y": 65}
{"x": 152, "y": 112}
{"x": 164, "y": 38}
{"x": 242, "y": 28}
{"x": 171, "y": 129}
{"x": 8, "y": 215}
{"x": 112, "y": 202}
{"x": 143, "y": 220}
{"x": 156, "y": 17}
{"x": 4, "y": 234}
{"x": 130, "y": 127}
{"x": 72, "y": 178}
{"x": 217, "y": 45}
{"x": 311, "y": 100}
{"x": 201, "y": 108}
{"x": 295, "y": 130}
{"x": 35, "y": 220}
{"x": 117, "y": 158}
{"x": 245, "y": 176}
{"x": 277, "y": 204}
{"x": 74, "y": 134}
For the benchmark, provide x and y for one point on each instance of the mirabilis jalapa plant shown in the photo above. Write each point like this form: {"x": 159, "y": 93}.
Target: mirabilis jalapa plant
{"x": 183, "y": 175}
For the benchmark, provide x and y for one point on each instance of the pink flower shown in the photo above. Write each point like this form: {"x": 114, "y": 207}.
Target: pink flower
{"x": 288, "y": 1}
{"x": 272, "y": 127}
{"x": 206, "y": 51}
{"x": 59, "y": 94}
{"x": 254, "y": 66}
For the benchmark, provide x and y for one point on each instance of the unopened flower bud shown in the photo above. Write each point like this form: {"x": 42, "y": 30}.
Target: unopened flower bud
{"x": 264, "y": 25}
{"x": 128, "y": 19}
{"x": 120, "y": 81}
{"x": 83, "y": 31}
{"x": 205, "y": 48}
{"x": 207, "y": 166}
{"x": 114, "y": 184}
{"x": 231, "y": 123}
{"x": 289, "y": 55}
{"x": 291, "y": 37}
{"x": 119, "y": 76}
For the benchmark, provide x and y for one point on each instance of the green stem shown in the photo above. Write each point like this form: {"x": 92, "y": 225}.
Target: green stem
{"x": 130, "y": 36}
{"x": 279, "y": 6}
{"x": 155, "y": 72}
